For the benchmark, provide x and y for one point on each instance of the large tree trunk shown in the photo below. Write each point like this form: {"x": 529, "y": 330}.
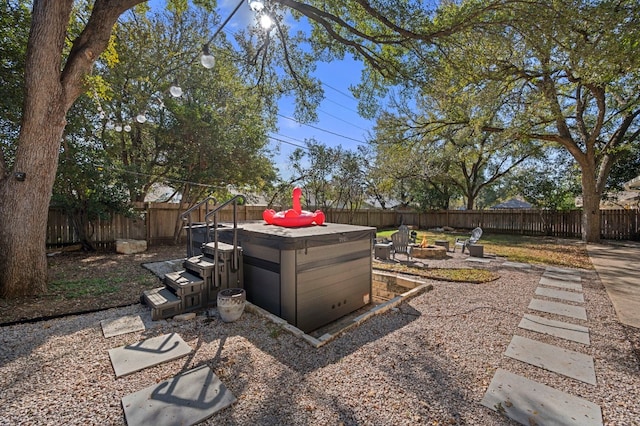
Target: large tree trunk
{"x": 470, "y": 201}
{"x": 26, "y": 192}
{"x": 590, "y": 208}
{"x": 25, "y": 206}
{"x": 50, "y": 90}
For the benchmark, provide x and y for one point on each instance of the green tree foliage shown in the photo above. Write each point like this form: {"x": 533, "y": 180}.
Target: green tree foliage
{"x": 87, "y": 188}
{"x": 210, "y": 137}
{"x": 444, "y": 130}
{"x": 626, "y": 168}
{"x": 551, "y": 183}
{"x": 564, "y": 73}
{"x": 14, "y": 32}
{"x": 568, "y": 75}
{"x": 404, "y": 166}
{"x": 330, "y": 178}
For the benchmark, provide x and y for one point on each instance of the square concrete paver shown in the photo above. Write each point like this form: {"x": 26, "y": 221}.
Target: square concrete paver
{"x": 558, "y": 308}
{"x": 518, "y": 265}
{"x": 564, "y": 277}
{"x": 553, "y": 358}
{"x": 123, "y": 325}
{"x": 532, "y": 403}
{"x": 147, "y": 353}
{"x": 477, "y": 259}
{"x": 558, "y": 270}
{"x": 186, "y": 399}
{"x": 564, "y": 330}
{"x": 560, "y": 284}
{"x": 570, "y": 296}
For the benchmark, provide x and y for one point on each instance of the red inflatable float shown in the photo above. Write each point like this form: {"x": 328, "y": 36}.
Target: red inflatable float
{"x": 294, "y": 217}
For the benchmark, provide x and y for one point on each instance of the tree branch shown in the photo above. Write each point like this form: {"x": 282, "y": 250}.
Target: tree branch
{"x": 90, "y": 44}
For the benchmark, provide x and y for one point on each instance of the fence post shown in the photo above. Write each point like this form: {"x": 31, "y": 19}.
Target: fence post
{"x": 147, "y": 219}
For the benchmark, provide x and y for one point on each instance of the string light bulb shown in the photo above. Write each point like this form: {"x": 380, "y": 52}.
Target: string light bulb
{"x": 175, "y": 89}
{"x": 141, "y": 118}
{"x": 265, "y": 21}
{"x": 207, "y": 60}
{"x": 256, "y": 5}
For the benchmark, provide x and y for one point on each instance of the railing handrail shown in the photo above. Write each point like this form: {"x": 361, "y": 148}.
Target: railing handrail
{"x": 197, "y": 206}
{"x": 186, "y": 217}
{"x": 235, "y": 259}
{"x": 223, "y": 205}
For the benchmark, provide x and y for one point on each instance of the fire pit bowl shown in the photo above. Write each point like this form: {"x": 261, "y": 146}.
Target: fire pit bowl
{"x": 429, "y": 252}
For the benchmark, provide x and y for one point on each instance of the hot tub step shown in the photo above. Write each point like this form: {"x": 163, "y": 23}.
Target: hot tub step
{"x": 164, "y": 304}
{"x": 200, "y": 265}
{"x": 184, "y": 283}
{"x": 188, "y": 287}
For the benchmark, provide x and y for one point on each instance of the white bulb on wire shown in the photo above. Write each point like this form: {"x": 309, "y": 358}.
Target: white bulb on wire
{"x": 256, "y": 5}
{"x": 266, "y": 22}
{"x": 141, "y": 118}
{"x": 175, "y": 90}
{"x": 207, "y": 60}
{"x": 127, "y": 128}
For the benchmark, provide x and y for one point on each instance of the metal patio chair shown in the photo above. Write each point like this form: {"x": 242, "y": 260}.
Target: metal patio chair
{"x": 461, "y": 242}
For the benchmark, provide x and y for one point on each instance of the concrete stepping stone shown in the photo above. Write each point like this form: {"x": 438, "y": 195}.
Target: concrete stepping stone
{"x": 564, "y": 330}
{"x": 477, "y": 259}
{"x": 186, "y": 399}
{"x": 532, "y": 403}
{"x": 571, "y": 296}
{"x": 558, "y": 270}
{"x": 553, "y": 358}
{"x": 123, "y": 325}
{"x": 558, "y": 308}
{"x": 562, "y": 277}
{"x": 147, "y": 353}
{"x": 560, "y": 284}
{"x": 518, "y": 265}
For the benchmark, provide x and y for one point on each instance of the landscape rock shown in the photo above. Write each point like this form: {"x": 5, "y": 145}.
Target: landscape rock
{"x": 131, "y": 246}
{"x": 185, "y": 317}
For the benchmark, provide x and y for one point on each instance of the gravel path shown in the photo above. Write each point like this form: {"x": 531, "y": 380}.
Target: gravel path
{"x": 428, "y": 362}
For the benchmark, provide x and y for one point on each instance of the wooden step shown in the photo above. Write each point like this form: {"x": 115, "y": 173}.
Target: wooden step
{"x": 184, "y": 283}
{"x": 200, "y": 265}
{"x": 224, "y": 250}
{"x": 188, "y": 287}
{"x": 163, "y": 302}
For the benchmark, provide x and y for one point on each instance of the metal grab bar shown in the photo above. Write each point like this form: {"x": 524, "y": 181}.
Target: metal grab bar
{"x": 186, "y": 217}
{"x": 236, "y": 261}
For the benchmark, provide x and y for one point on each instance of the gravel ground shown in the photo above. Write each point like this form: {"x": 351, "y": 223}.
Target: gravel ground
{"x": 428, "y": 362}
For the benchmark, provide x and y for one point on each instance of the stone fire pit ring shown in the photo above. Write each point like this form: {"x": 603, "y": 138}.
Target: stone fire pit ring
{"x": 429, "y": 252}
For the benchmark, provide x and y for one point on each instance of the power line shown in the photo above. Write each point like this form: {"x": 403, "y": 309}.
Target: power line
{"x": 323, "y": 130}
{"x": 340, "y": 91}
{"x": 290, "y": 137}
{"x": 343, "y": 120}
{"x": 287, "y": 142}
{"x": 342, "y": 106}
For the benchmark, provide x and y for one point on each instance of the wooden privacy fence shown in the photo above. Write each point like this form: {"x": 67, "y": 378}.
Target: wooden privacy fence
{"x": 155, "y": 222}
